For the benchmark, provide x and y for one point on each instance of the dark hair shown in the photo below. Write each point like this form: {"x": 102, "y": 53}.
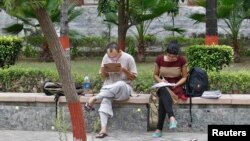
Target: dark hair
{"x": 113, "y": 45}
{"x": 173, "y": 47}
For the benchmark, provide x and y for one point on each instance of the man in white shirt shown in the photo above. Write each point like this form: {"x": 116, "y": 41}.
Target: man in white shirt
{"x": 117, "y": 85}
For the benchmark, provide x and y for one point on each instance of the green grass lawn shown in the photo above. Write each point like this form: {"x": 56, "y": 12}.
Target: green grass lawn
{"x": 91, "y": 66}
{"x": 82, "y": 67}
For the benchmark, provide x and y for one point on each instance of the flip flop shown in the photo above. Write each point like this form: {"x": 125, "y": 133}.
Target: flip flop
{"x": 101, "y": 135}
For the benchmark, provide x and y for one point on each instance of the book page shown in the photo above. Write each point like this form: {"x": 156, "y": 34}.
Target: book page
{"x": 162, "y": 84}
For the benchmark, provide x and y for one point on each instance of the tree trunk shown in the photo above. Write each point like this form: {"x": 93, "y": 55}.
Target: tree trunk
{"x": 211, "y": 23}
{"x": 122, "y": 24}
{"x": 64, "y": 29}
{"x": 236, "y": 49}
{"x": 63, "y": 68}
{"x": 46, "y": 54}
{"x": 141, "y": 52}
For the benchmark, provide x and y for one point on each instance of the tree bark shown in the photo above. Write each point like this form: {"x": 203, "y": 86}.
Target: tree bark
{"x": 141, "y": 56}
{"x": 211, "y": 23}
{"x": 122, "y": 24}
{"x": 63, "y": 68}
{"x": 64, "y": 29}
{"x": 236, "y": 49}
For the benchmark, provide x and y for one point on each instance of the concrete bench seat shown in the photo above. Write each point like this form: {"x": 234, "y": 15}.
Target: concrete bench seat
{"x": 36, "y": 111}
{"x": 225, "y": 99}
{"x": 41, "y": 97}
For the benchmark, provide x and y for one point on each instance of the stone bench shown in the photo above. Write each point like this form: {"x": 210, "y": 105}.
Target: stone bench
{"x": 36, "y": 111}
{"x": 228, "y": 109}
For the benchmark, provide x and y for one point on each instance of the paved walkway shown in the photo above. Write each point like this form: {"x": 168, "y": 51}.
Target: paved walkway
{"x": 16, "y": 135}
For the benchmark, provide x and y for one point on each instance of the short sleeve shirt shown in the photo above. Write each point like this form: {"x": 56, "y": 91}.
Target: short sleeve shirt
{"x": 127, "y": 61}
{"x": 171, "y": 71}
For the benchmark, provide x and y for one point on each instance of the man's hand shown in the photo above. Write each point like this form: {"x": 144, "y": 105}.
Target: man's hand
{"x": 124, "y": 69}
{"x": 129, "y": 75}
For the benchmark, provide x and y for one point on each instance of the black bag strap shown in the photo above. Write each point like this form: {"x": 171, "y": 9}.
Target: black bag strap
{"x": 56, "y": 99}
{"x": 190, "y": 109}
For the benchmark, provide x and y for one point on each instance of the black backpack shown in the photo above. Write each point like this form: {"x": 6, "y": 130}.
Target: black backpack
{"x": 197, "y": 83}
{"x": 55, "y": 89}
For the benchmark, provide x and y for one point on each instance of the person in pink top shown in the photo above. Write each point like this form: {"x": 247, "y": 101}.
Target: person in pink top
{"x": 171, "y": 68}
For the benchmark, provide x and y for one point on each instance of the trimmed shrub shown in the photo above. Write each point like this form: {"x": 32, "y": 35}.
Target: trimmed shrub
{"x": 230, "y": 82}
{"x": 31, "y": 80}
{"x": 10, "y": 48}
{"x": 210, "y": 58}
{"x": 24, "y": 80}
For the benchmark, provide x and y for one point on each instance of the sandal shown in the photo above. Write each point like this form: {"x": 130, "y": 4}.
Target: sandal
{"x": 101, "y": 135}
{"x": 88, "y": 107}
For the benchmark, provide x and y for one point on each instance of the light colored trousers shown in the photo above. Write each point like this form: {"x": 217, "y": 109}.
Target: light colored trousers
{"x": 118, "y": 91}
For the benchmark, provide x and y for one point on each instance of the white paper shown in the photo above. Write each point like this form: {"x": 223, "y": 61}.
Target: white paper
{"x": 162, "y": 84}
{"x": 211, "y": 94}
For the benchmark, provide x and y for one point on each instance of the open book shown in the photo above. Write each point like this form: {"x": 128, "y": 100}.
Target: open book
{"x": 112, "y": 67}
{"x": 162, "y": 84}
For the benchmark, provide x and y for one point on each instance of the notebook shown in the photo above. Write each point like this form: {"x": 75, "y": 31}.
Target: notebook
{"x": 112, "y": 67}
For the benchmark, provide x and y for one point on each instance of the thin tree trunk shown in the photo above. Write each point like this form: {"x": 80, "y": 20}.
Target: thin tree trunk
{"x": 122, "y": 24}
{"x": 64, "y": 29}
{"x": 211, "y": 23}
{"x": 236, "y": 49}
{"x": 141, "y": 52}
{"x": 63, "y": 68}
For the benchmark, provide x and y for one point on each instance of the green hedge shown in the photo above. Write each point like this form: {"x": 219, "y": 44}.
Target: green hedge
{"x": 230, "y": 82}
{"x": 210, "y": 58}
{"x": 24, "y": 80}
{"x": 10, "y": 48}
{"x": 30, "y": 80}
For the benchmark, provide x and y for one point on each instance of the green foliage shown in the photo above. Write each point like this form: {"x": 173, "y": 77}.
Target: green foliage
{"x": 93, "y": 41}
{"x": 180, "y": 31}
{"x": 150, "y": 40}
{"x": 210, "y": 58}
{"x": 131, "y": 45}
{"x": 184, "y": 41}
{"x": 24, "y": 80}
{"x": 30, "y": 80}
{"x": 230, "y": 82}
{"x": 97, "y": 125}
{"x": 143, "y": 10}
{"x": 36, "y": 40}
{"x": 29, "y": 52}
{"x": 10, "y": 47}
{"x": 60, "y": 124}
{"x": 233, "y": 13}
{"x": 143, "y": 82}
{"x": 13, "y": 29}
{"x": 107, "y": 6}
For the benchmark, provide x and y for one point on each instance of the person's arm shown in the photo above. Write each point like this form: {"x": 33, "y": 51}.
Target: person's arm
{"x": 156, "y": 73}
{"x": 131, "y": 70}
{"x": 184, "y": 76}
{"x": 130, "y": 75}
{"x": 103, "y": 73}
